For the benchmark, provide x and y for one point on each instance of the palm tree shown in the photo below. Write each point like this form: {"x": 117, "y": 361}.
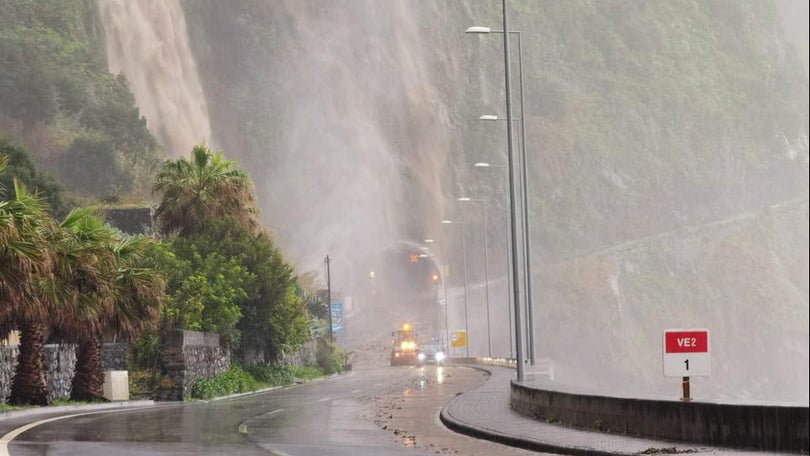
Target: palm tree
{"x": 137, "y": 296}
{"x": 25, "y": 227}
{"x": 84, "y": 279}
{"x": 206, "y": 186}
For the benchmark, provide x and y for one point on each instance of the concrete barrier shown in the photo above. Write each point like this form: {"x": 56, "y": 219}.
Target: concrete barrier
{"x": 762, "y": 427}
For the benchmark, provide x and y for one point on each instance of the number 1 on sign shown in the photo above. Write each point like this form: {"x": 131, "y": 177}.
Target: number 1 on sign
{"x": 686, "y": 353}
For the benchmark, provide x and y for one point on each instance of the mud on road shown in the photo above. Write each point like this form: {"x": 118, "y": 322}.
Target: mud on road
{"x": 410, "y": 412}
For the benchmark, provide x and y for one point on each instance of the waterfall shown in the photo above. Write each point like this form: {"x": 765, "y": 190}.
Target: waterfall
{"x": 147, "y": 42}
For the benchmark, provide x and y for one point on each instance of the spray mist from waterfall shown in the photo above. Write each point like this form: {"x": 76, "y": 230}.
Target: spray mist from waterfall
{"x": 355, "y": 120}
{"x": 361, "y": 136}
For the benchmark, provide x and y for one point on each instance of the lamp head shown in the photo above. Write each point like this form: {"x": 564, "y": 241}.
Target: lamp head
{"x": 478, "y": 30}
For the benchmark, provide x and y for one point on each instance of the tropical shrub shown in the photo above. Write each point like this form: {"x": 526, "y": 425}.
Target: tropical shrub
{"x": 235, "y": 380}
{"x": 305, "y": 372}
{"x": 330, "y": 358}
{"x": 271, "y": 374}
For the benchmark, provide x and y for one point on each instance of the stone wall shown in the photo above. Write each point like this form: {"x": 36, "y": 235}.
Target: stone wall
{"x": 186, "y": 356}
{"x": 60, "y": 362}
{"x": 114, "y": 357}
{"x": 8, "y": 359}
{"x": 59, "y": 368}
{"x": 304, "y": 356}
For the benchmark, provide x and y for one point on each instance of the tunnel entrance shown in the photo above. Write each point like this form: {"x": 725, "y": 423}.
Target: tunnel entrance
{"x": 409, "y": 271}
{"x": 407, "y": 282}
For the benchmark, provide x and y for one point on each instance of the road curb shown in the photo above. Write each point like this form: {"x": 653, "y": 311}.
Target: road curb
{"x": 35, "y": 411}
{"x": 263, "y": 390}
{"x": 479, "y": 432}
{"x": 527, "y": 444}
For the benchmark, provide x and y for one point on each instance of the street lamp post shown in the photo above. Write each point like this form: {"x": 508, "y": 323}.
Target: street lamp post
{"x": 444, "y": 300}
{"x": 464, "y": 271}
{"x": 513, "y": 191}
{"x": 509, "y": 275}
{"x": 527, "y": 264}
{"x": 486, "y": 267}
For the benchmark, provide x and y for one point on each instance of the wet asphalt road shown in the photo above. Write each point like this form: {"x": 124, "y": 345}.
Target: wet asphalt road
{"x": 379, "y": 412}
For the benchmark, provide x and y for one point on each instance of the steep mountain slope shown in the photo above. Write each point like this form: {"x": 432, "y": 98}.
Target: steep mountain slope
{"x": 657, "y": 133}
{"x": 667, "y": 147}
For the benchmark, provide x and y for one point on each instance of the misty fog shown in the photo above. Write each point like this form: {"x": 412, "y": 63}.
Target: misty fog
{"x": 357, "y": 121}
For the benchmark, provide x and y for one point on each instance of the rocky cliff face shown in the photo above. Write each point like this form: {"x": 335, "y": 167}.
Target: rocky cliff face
{"x": 667, "y": 150}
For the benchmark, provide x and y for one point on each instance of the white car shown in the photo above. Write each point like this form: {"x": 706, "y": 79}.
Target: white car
{"x": 431, "y": 354}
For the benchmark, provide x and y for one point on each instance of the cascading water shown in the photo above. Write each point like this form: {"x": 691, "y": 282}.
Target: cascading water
{"x": 355, "y": 119}
{"x": 147, "y": 42}
{"x": 355, "y": 167}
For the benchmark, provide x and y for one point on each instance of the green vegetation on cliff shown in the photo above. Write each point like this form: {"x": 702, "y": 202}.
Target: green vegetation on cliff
{"x": 56, "y": 96}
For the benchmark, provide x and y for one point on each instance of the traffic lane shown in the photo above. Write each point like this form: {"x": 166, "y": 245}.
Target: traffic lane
{"x": 331, "y": 418}
{"x": 182, "y": 429}
{"x": 337, "y": 416}
{"x": 406, "y": 407}
{"x": 214, "y": 427}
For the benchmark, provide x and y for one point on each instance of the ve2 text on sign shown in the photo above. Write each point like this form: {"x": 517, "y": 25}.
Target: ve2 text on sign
{"x": 686, "y": 353}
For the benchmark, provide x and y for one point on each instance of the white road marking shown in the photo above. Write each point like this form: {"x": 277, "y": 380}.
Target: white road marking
{"x": 6, "y": 439}
{"x": 324, "y": 399}
{"x": 356, "y": 391}
{"x": 276, "y": 452}
{"x": 243, "y": 429}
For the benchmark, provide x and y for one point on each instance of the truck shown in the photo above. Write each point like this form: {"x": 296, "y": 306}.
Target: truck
{"x": 404, "y": 346}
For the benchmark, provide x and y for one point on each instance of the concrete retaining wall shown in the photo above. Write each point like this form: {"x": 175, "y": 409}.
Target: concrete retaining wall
{"x": 763, "y": 427}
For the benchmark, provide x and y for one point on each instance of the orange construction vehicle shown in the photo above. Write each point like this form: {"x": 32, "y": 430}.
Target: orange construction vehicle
{"x": 405, "y": 348}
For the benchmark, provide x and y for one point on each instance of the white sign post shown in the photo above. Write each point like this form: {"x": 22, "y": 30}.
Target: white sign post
{"x": 686, "y": 354}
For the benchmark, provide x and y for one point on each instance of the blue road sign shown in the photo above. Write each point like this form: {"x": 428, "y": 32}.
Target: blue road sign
{"x": 337, "y": 317}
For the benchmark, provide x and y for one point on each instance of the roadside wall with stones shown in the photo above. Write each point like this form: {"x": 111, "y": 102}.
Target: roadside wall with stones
{"x": 304, "y": 356}
{"x": 59, "y": 368}
{"x": 186, "y": 356}
{"x": 60, "y": 363}
{"x": 114, "y": 357}
{"x": 8, "y": 361}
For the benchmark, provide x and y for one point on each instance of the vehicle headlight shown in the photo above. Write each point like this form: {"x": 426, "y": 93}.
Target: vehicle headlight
{"x": 421, "y": 356}
{"x": 439, "y": 356}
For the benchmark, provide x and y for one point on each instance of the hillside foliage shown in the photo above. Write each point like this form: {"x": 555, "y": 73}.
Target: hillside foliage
{"x": 79, "y": 121}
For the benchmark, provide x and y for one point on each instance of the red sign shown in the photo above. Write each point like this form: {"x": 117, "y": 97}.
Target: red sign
{"x": 686, "y": 342}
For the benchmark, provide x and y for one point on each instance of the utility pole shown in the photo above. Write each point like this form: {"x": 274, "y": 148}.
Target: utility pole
{"x": 329, "y": 298}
